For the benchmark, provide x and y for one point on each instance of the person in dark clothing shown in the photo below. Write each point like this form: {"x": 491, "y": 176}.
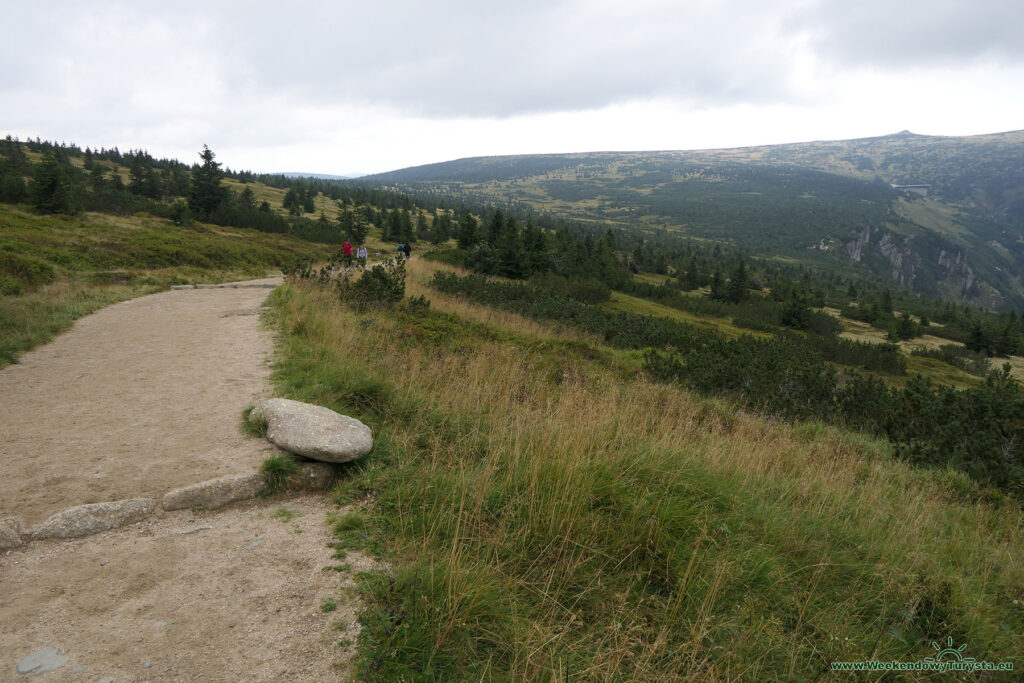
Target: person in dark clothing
{"x": 407, "y": 249}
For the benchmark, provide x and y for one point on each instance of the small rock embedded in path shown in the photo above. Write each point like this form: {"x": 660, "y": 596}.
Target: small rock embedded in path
{"x": 313, "y": 431}
{"x": 41, "y": 661}
{"x": 10, "y": 533}
{"x": 214, "y": 493}
{"x": 193, "y": 530}
{"x": 84, "y": 520}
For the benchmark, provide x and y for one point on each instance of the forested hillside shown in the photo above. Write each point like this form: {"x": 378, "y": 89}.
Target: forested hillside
{"x": 828, "y": 204}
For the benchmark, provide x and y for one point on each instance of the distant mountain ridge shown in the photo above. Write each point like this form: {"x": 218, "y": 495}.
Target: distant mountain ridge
{"x": 829, "y": 203}
{"x": 318, "y": 176}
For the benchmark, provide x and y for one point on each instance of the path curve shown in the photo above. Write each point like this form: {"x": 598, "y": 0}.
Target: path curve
{"x": 135, "y": 400}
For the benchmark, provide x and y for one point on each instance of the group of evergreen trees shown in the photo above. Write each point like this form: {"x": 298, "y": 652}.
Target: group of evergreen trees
{"x": 166, "y": 188}
{"x": 501, "y": 245}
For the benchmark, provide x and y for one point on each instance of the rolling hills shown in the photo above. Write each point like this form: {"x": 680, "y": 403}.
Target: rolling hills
{"x": 827, "y": 204}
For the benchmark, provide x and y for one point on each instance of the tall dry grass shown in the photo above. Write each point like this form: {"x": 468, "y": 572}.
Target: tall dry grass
{"x": 554, "y": 515}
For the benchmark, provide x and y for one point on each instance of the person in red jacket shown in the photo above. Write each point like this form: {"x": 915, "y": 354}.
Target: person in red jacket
{"x": 346, "y": 249}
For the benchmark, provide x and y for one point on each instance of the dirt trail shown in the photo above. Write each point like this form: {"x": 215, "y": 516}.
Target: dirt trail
{"x": 137, "y": 399}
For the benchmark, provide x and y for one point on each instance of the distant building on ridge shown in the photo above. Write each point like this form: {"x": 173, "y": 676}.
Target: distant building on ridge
{"x": 918, "y": 189}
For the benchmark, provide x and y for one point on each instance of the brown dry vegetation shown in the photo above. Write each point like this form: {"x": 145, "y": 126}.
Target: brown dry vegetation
{"x": 554, "y": 515}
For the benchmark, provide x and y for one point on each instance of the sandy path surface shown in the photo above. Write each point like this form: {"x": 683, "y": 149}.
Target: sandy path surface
{"x": 137, "y": 399}
{"x": 230, "y": 595}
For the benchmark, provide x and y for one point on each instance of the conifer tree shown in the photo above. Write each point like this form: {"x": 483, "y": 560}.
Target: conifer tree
{"x": 51, "y": 190}
{"x": 248, "y": 198}
{"x": 468, "y": 236}
{"x": 510, "y": 251}
{"x": 495, "y": 227}
{"x": 205, "y": 192}
{"x": 739, "y": 282}
{"x": 717, "y": 286}
{"x": 535, "y": 247}
{"x": 405, "y": 233}
{"x": 292, "y": 202}
{"x": 15, "y": 155}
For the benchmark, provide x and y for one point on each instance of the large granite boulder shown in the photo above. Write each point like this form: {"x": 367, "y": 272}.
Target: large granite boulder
{"x": 313, "y": 431}
{"x": 84, "y": 520}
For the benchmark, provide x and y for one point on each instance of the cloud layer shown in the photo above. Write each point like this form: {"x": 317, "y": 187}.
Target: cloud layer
{"x": 288, "y": 74}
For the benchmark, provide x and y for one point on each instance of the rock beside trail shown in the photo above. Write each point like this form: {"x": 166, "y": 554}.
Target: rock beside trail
{"x": 41, "y": 661}
{"x": 214, "y": 493}
{"x": 312, "y": 476}
{"x": 84, "y": 520}
{"x": 313, "y": 431}
{"x": 10, "y": 533}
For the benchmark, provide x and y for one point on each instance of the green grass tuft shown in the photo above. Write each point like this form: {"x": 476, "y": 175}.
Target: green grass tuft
{"x": 253, "y": 427}
{"x": 277, "y": 472}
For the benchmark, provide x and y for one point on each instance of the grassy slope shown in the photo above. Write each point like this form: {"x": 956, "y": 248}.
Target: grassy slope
{"x": 68, "y": 266}
{"x": 551, "y": 514}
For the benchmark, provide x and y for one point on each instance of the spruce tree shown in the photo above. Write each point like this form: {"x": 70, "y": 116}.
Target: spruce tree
{"x": 739, "y": 282}
{"x": 495, "y": 228}
{"x": 292, "y": 202}
{"x": 205, "y": 192}
{"x": 468, "y": 235}
{"x": 51, "y": 190}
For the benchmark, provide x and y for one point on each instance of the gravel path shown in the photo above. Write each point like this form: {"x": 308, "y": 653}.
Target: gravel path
{"x": 137, "y": 399}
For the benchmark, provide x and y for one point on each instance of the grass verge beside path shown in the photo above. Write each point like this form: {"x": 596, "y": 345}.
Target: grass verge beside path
{"x": 55, "y": 269}
{"x": 552, "y": 515}
{"x": 28, "y": 320}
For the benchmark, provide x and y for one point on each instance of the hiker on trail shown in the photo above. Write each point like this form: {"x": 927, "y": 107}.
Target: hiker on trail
{"x": 408, "y": 250}
{"x": 361, "y": 254}
{"x": 346, "y": 249}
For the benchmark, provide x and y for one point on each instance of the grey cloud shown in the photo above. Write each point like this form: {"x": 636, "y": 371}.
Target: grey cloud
{"x": 482, "y": 59}
{"x": 150, "y": 63}
{"x": 916, "y": 33}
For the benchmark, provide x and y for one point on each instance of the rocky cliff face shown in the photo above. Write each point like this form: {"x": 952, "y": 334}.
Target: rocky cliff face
{"x": 922, "y": 267}
{"x": 855, "y": 247}
{"x": 960, "y": 277}
{"x": 904, "y": 263}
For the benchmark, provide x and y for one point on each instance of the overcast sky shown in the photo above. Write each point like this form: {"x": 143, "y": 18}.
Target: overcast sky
{"x": 359, "y": 87}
